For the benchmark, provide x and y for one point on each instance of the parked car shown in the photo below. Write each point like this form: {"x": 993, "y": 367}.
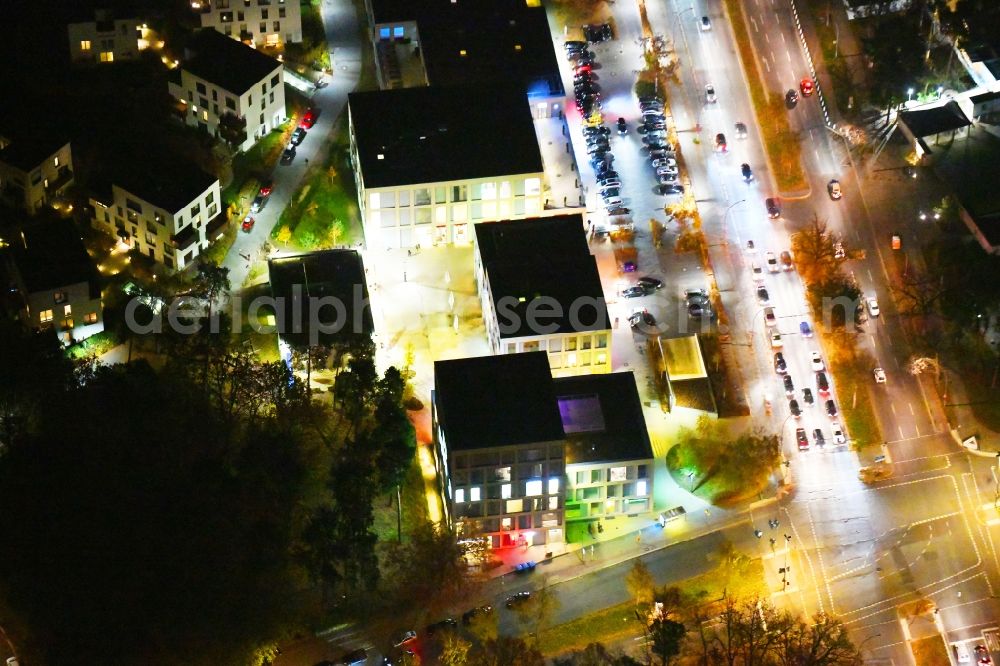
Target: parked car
{"x": 622, "y": 126}
{"x": 818, "y": 437}
{"x": 700, "y": 310}
{"x": 831, "y": 408}
{"x": 762, "y": 296}
{"x": 786, "y": 260}
{"x": 872, "y": 304}
{"x": 671, "y": 189}
{"x": 447, "y": 624}
{"x": 772, "y": 262}
{"x": 822, "y": 383}
{"x": 309, "y": 119}
{"x": 741, "y": 130}
{"x": 635, "y": 291}
{"x": 696, "y": 296}
{"x": 651, "y": 282}
{"x": 807, "y": 396}
{"x": 805, "y": 329}
{"x": 720, "y": 142}
{"x": 773, "y": 205}
{"x": 247, "y": 224}
{"x": 769, "y": 318}
{"x": 288, "y": 155}
{"x": 641, "y": 316}
{"x": 298, "y": 136}
{"x": 525, "y": 567}
{"x": 710, "y": 96}
{"x": 791, "y": 99}
{"x": 517, "y": 599}
{"x": 357, "y": 657}
{"x": 705, "y": 23}
{"x": 470, "y": 615}
{"x": 779, "y": 363}
{"x": 575, "y": 45}
{"x": 259, "y": 202}
{"x": 776, "y": 341}
{"x": 793, "y": 407}
{"x": 801, "y": 439}
{"x": 816, "y": 359}
{"x": 746, "y": 171}
{"x": 404, "y": 637}
{"x": 807, "y": 87}
{"x": 838, "y": 434}
{"x": 789, "y": 385}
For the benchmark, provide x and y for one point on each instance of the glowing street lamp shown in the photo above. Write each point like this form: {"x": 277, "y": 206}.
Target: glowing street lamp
{"x": 909, "y": 94}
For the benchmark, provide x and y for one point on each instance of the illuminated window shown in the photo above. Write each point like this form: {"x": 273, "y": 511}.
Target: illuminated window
{"x": 55, "y": 161}
{"x": 85, "y": 45}
{"x": 459, "y": 495}
{"x": 640, "y": 488}
{"x": 90, "y": 318}
{"x": 515, "y": 506}
{"x": 204, "y": 115}
{"x": 618, "y": 474}
{"x": 506, "y": 523}
{"x": 107, "y": 56}
{"x": 553, "y": 486}
{"x": 441, "y": 214}
{"x": 505, "y": 491}
{"x": 503, "y": 473}
{"x": 45, "y": 316}
{"x": 532, "y": 488}
{"x": 474, "y": 494}
{"x": 489, "y": 191}
{"x": 463, "y": 52}
{"x": 67, "y": 310}
{"x": 532, "y": 186}
{"x": 505, "y": 189}
{"x": 553, "y": 502}
{"x": 375, "y": 200}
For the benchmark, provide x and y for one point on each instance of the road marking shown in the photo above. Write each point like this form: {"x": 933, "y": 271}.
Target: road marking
{"x": 870, "y": 275}
{"x": 910, "y": 405}
{"x": 754, "y": 24}
{"x": 893, "y": 408}
{"x": 788, "y": 54}
{"x": 872, "y": 339}
{"x": 766, "y": 66}
{"x": 900, "y": 428}
{"x": 816, "y": 153}
{"x": 767, "y": 37}
{"x": 917, "y": 428}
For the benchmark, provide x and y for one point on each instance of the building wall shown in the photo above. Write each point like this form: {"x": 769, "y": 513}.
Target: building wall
{"x": 69, "y": 311}
{"x": 266, "y": 23}
{"x": 609, "y": 489}
{"x": 33, "y": 189}
{"x": 263, "y": 106}
{"x": 102, "y": 42}
{"x": 149, "y": 229}
{"x": 513, "y": 495}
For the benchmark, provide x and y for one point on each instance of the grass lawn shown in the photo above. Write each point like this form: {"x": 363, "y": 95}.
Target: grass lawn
{"x": 617, "y": 622}
{"x": 720, "y": 488}
{"x": 780, "y": 141}
{"x": 95, "y": 345}
{"x": 414, "y": 502}
{"x": 859, "y": 419}
{"x": 250, "y": 166}
{"x": 930, "y": 651}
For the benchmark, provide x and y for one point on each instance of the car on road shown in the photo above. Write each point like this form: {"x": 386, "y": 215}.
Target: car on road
{"x": 838, "y": 251}
{"x": 517, "y": 599}
{"x": 525, "y": 567}
{"x": 641, "y": 316}
{"x": 309, "y": 119}
{"x": 816, "y": 360}
{"x": 622, "y": 126}
{"x": 838, "y": 434}
{"x": 833, "y": 189}
{"x": 298, "y": 136}
{"x": 776, "y": 341}
{"x": 720, "y": 142}
{"x": 700, "y": 310}
{"x": 635, "y": 291}
{"x": 983, "y": 655}
{"x": 668, "y": 189}
{"x": 357, "y": 657}
{"x": 746, "y": 171}
{"x": 818, "y": 437}
{"x": 879, "y": 375}
{"x": 404, "y": 637}
{"x": 650, "y": 282}
{"x": 756, "y": 270}
{"x": 773, "y": 205}
{"x": 582, "y": 68}
{"x": 791, "y": 99}
{"x": 574, "y": 45}
{"x": 786, "y": 260}
{"x": 751, "y": 248}
{"x": 831, "y": 408}
{"x": 789, "y": 385}
{"x": 612, "y": 202}
{"x": 805, "y": 329}
{"x": 247, "y": 224}
{"x": 259, "y": 202}
{"x": 793, "y": 407}
{"x": 772, "y": 262}
{"x": 762, "y": 296}
{"x": 710, "y": 96}
{"x": 668, "y": 162}
{"x": 801, "y": 439}
{"x": 872, "y": 303}
{"x": 470, "y": 615}
{"x": 288, "y": 155}
{"x": 741, "y": 130}
{"x": 779, "y": 363}
{"x": 447, "y": 624}
{"x": 696, "y": 296}
{"x": 769, "y": 318}
{"x": 705, "y": 23}
{"x": 807, "y": 87}
{"x": 822, "y": 383}
{"x": 807, "y": 396}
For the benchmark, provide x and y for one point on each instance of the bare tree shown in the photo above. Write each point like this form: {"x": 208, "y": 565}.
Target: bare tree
{"x": 640, "y": 583}
{"x": 815, "y": 251}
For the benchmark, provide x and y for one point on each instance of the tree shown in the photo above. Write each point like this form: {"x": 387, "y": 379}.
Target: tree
{"x": 454, "y": 650}
{"x": 918, "y": 293}
{"x": 815, "y": 252}
{"x": 506, "y": 651}
{"x": 595, "y": 654}
{"x": 666, "y": 637}
{"x": 640, "y": 583}
{"x": 834, "y": 300}
{"x": 823, "y": 643}
{"x": 232, "y": 129}
{"x": 538, "y": 611}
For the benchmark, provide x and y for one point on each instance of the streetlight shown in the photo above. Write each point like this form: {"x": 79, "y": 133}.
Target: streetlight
{"x": 940, "y": 90}
{"x": 909, "y": 94}
{"x": 862, "y": 644}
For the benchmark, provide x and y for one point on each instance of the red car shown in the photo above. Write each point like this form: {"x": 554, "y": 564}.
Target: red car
{"x": 248, "y": 223}
{"x": 309, "y": 119}
{"x": 265, "y": 187}
{"x": 807, "y": 86}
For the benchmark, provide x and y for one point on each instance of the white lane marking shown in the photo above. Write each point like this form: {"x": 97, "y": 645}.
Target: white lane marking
{"x": 893, "y": 408}
{"x": 917, "y": 428}
{"x": 901, "y": 435}
{"x": 870, "y": 275}
{"x": 753, "y": 22}
{"x": 910, "y": 405}
{"x": 816, "y": 152}
{"x": 788, "y": 54}
{"x": 873, "y": 339}
{"x": 766, "y": 66}
{"x": 767, "y": 37}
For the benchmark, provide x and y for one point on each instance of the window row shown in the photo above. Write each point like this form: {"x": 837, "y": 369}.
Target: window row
{"x": 532, "y": 488}
{"x": 425, "y": 196}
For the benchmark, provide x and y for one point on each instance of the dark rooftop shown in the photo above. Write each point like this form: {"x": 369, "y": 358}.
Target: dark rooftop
{"x": 438, "y": 134}
{"x": 338, "y": 277}
{"x": 168, "y": 183}
{"x": 925, "y": 122}
{"x": 968, "y": 165}
{"x": 496, "y": 401}
{"x": 546, "y": 258}
{"x": 985, "y": 97}
{"x": 227, "y": 63}
{"x": 51, "y": 255}
{"x": 602, "y": 417}
{"x": 27, "y": 150}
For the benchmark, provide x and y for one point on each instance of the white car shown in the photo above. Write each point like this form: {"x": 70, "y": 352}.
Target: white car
{"x": 776, "y": 341}
{"x": 665, "y": 162}
{"x": 817, "y": 362}
{"x": 838, "y": 251}
{"x": 758, "y": 272}
{"x": 772, "y": 262}
{"x": 710, "y": 94}
{"x": 706, "y": 23}
{"x": 872, "y": 304}
{"x": 612, "y": 201}
{"x": 879, "y": 376}
{"x": 838, "y": 434}
{"x": 666, "y": 171}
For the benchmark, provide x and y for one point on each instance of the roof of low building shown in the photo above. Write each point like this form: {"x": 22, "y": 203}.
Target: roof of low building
{"x": 967, "y": 166}
{"x": 934, "y": 120}
{"x": 27, "y": 150}
{"x": 602, "y": 417}
{"x": 228, "y": 63}
{"x": 167, "y": 183}
{"x": 542, "y": 265}
{"x": 322, "y": 297}
{"x": 50, "y": 255}
{"x": 501, "y": 400}
{"x": 439, "y": 134}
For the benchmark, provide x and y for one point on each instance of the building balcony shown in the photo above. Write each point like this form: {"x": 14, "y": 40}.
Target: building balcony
{"x": 62, "y": 179}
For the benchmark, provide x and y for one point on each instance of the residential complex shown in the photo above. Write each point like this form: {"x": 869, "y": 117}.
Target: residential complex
{"x": 55, "y": 281}
{"x": 35, "y": 168}
{"x": 263, "y": 23}
{"x": 104, "y": 37}
{"x": 230, "y": 90}
{"x": 168, "y": 213}
{"x": 540, "y": 291}
{"x": 431, "y": 162}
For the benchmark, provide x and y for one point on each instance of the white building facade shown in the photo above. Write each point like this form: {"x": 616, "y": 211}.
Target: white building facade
{"x": 33, "y": 177}
{"x": 264, "y": 23}
{"x": 106, "y": 39}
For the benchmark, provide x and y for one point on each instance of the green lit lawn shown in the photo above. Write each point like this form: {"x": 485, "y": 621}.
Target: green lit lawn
{"x": 617, "y": 622}
{"x": 414, "y": 506}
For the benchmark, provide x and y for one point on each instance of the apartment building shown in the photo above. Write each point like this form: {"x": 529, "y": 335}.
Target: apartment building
{"x": 55, "y": 280}
{"x": 35, "y": 169}
{"x": 499, "y": 449}
{"x": 263, "y": 23}
{"x": 104, "y": 36}
{"x": 168, "y": 213}
{"x": 540, "y": 291}
{"x": 230, "y": 90}
{"x": 431, "y": 162}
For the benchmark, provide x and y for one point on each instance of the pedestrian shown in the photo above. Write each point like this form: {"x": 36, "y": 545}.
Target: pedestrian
{"x": 307, "y": 161}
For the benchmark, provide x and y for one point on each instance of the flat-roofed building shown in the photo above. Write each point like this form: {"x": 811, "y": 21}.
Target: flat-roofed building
{"x": 431, "y": 162}
{"x": 268, "y": 24}
{"x": 540, "y": 291}
{"x": 104, "y": 36}
{"x": 36, "y": 167}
